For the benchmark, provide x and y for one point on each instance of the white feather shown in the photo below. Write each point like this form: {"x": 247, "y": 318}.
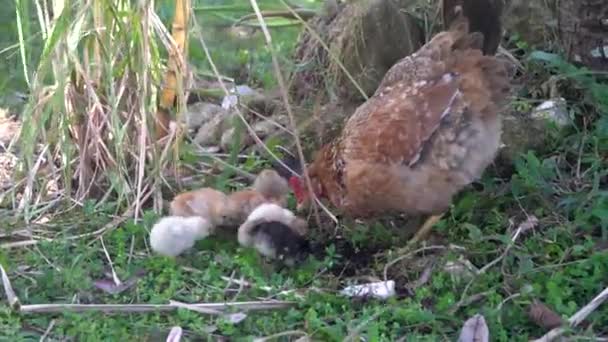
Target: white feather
{"x": 271, "y": 212}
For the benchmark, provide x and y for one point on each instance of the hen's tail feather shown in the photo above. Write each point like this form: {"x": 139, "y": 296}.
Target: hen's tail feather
{"x": 456, "y": 38}
{"x": 484, "y": 79}
{"x": 497, "y": 77}
{"x": 470, "y": 41}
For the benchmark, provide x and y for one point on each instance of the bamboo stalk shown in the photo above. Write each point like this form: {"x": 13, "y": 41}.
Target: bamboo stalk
{"x": 175, "y": 68}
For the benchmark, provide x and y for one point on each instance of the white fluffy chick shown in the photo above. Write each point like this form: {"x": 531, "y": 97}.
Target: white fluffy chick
{"x": 172, "y": 235}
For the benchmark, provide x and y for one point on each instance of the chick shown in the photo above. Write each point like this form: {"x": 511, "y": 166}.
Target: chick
{"x": 207, "y": 203}
{"x": 172, "y": 235}
{"x": 241, "y": 204}
{"x": 276, "y": 233}
{"x": 272, "y": 186}
{"x": 268, "y": 187}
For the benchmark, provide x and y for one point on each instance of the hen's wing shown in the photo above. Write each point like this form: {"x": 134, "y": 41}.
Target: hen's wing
{"x": 393, "y": 126}
{"x": 444, "y": 78}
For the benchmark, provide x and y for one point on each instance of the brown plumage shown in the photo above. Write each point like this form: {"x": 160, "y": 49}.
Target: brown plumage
{"x": 272, "y": 186}
{"x": 207, "y": 203}
{"x": 430, "y": 129}
{"x": 221, "y": 209}
{"x": 268, "y": 187}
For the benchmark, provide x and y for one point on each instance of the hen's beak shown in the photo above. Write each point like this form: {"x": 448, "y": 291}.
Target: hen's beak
{"x": 304, "y": 205}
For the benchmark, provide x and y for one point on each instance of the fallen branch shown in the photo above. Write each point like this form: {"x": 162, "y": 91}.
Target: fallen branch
{"x": 206, "y": 308}
{"x": 577, "y": 318}
{"x": 209, "y": 308}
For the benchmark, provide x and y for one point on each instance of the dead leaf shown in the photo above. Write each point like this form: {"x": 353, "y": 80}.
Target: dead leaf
{"x": 424, "y": 278}
{"x": 109, "y": 286}
{"x": 235, "y": 318}
{"x": 543, "y": 316}
{"x": 475, "y": 329}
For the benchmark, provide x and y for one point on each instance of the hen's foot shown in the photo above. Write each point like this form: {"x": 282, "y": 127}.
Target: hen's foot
{"x": 424, "y": 231}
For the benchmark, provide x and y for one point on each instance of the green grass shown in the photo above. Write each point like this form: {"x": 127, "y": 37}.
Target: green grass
{"x": 560, "y": 262}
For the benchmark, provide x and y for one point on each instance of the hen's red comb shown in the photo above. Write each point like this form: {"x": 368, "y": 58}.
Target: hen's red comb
{"x": 296, "y": 185}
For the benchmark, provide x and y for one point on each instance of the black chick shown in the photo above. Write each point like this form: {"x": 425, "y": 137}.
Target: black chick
{"x": 276, "y": 233}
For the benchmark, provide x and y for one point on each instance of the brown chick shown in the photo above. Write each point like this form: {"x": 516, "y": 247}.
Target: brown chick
{"x": 207, "y": 203}
{"x": 268, "y": 187}
{"x": 272, "y": 186}
{"x": 430, "y": 129}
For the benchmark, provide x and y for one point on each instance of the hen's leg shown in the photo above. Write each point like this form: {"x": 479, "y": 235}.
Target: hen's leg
{"x": 424, "y": 231}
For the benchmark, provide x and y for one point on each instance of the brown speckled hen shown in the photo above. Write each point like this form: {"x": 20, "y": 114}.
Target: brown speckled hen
{"x": 430, "y": 129}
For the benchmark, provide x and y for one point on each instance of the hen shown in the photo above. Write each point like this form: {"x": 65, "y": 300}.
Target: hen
{"x": 429, "y": 130}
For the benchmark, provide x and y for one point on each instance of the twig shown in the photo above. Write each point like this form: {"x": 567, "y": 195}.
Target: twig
{"x": 48, "y": 330}
{"x": 577, "y": 318}
{"x": 292, "y": 120}
{"x": 485, "y": 268}
{"x": 303, "y": 13}
{"x": 504, "y": 253}
{"x": 241, "y": 282}
{"x": 25, "y": 243}
{"x": 115, "y": 278}
{"x": 11, "y": 297}
{"x": 405, "y": 256}
{"x": 281, "y": 334}
{"x": 126, "y": 308}
{"x": 195, "y": 308}
{"x": 506, "y": 300}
